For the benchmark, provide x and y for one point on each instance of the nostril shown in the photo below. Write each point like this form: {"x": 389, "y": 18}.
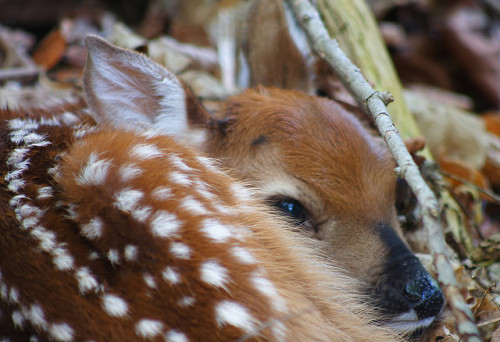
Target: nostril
{"x": 425, "y": 296}
{"x": 413, "y": 293}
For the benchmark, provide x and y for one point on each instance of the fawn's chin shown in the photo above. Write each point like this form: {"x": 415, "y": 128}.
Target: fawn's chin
{"x": 408, "y": 323}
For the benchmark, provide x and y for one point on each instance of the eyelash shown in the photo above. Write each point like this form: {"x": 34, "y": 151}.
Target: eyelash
{"x": 293, "y": 209}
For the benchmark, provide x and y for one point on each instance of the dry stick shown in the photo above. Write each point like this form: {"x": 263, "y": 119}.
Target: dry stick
{"x": 375, "y": 102}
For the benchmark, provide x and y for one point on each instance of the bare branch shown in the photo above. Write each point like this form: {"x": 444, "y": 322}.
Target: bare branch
{"x": 375, "y": 103}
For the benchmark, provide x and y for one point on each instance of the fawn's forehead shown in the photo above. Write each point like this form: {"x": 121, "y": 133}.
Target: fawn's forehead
{"x": 319, "y": 144}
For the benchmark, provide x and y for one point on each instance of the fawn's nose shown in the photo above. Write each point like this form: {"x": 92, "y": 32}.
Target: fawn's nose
{"x": 424, "y": 296}
{"x": 406, "y": 292}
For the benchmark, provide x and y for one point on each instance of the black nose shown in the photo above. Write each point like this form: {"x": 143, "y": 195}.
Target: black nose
{"x": 404, "y": 286}
{"x": 424, "y": 295}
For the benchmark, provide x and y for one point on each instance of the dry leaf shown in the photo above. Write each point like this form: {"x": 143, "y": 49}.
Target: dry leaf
{"x": 495, "y": 337}
{"x": 50, "y": 51}
{"x": 449, "y": 131}
{"x": 462, "y": 171}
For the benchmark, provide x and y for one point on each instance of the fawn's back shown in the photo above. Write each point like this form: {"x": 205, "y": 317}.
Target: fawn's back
{"x": 113, "y": 235}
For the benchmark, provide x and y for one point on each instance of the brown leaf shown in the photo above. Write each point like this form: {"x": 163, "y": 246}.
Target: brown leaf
{"x": 492, "y": 122}
{"x": 463, "y": 171}
{"x": 474, "y": 51}
{"x": 50, "y": 51}
{"x": 495, "y": 337}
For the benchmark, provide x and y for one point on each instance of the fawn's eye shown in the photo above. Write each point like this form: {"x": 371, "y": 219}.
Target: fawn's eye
{"x": 293, "y": 209}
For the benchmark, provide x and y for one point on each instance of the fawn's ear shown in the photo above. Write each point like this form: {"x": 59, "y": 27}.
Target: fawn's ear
{"x": 128, "y": 90}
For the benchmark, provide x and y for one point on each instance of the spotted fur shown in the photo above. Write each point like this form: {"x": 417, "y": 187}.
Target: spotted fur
{"x": 112, "y": 235}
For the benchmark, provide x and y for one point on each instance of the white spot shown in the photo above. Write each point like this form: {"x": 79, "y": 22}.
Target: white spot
{"x": 40, "y": 144}
{"x": 114, "y": 305}
{"x": 209, "y": 163}
{"x": 84, "y": 130}
{"x": 129, "y": 172}
{"x": 69, "y": 118}
{"x": 62, "y": 259}
{"x": 16, "y": 185}
{"x": 176, "y": 336}
{"x": 164, "y": 224}
{"x": 180, "y": 178}
{"x": 47, "y": 238}
{"x": 279, "y": 330}
{"x": 28, "y": 210}
{"x": 179, "y": 163}
{"x": 18, "y": 135}
{"x": 215, "y": 230}
{"x": 162, "y": 193}
{"x": 15, "y": 201}
{"x": 150, "y": 133}
{"x": 180, "y": 250}
{"x": 243, "y": 255}
{"x": 141, "y": 214}
{"x": 61, "y": 332}
{"x": 14, "y": 174}
{"x": 94, "y": 172}
{"x": 266, "y": 287}
{"x": 232, "y": 313}
{"x": 186, "y": 301}
{"x": 14, "y": 295}
{"x": 36, "y": 316}
{"x": 23, "y": 165}
{"x": 194, "y": 206}
{"x": 202, "y": 189}
{"x": 45, "y": 192}
{"x": 18, "y": 319}
{"x": 93, "y": 229}
{"x": 50, "y": 121}
{"x": 72, "y": 210}
{"x": 34, "y": 138}
{"x": 145, "y": 151}
{"x": 240, "y": 192}
{"x": 86, "y": 281}
{"x": 148, "y": 328}
{"x": 127, "y": 200}
{"x": 171, "y": 275}
{"x": 4, "y": 290}
{"x": 214, "y": 274}
{"x": 94, "y": 256}
{"x": 131, "y": 253}
{"x": 149, "y": 280}
{"x": 30, "y": 222}
{"x": 20, "y": 123}
{"x": 113, "y": 256}
{"x": 54, "y": 171}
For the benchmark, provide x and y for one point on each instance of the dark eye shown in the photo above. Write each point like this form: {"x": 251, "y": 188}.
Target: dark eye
{"x": 292, "y": 209}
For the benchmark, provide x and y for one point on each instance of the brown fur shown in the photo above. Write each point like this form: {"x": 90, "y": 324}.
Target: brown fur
{"x": 40, "y": 271}
{"x": 286, "y": 145}
{"x": 343, "y": 176}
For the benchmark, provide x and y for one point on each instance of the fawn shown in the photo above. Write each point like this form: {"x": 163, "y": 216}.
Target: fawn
{"x": 303, "y": 155}
{"x": 121, "y": 232}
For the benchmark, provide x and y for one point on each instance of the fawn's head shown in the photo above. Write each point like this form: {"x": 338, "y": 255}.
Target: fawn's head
{"x": 304, "y": 155}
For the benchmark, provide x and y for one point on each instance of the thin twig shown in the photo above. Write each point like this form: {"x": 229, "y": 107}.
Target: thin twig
{"x": 375, "y": 103}
{"x": 491, "y": 321}
{"x": 495, "y": 197}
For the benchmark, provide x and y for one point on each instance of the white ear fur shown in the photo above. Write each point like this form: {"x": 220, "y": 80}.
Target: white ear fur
{"x": 129, "y": 90}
